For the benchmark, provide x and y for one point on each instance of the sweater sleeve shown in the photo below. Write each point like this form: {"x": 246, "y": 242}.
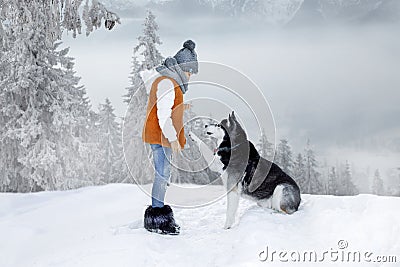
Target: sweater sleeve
{"x": 165, "y": 102}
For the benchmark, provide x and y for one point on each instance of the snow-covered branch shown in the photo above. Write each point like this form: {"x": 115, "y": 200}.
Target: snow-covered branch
{"x": 58, "y": 15}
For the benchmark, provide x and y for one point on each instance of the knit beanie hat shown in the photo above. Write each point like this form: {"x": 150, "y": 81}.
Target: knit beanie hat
{"x": 187, "y": 57}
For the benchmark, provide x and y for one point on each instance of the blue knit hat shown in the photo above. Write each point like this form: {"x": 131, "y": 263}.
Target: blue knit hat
{"x": 187, "y": 57}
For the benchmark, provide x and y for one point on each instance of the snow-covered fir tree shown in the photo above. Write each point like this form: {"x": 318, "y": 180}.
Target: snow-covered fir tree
{"x": 299, "y": 171}
{"x": 86, "y": 171}
{"x": 346, "y": 186}
{"x": 148, "y": 42}
{"x": 398, "y": 184}
{"x": 39, "y": 97}
{"x": 135, "y": 80}
{"x": 333, "y": 180}
{"x": 312, "y": 184}
{"x": 60, "y": 15}
{"x": 136, "y": 152}
{"x": 6, "y": 146}
{"x": 265, "y": 147}
{"x": 377, "y": 184}
{"x": 283, "y": 156}
{"x": 112, "y": 160}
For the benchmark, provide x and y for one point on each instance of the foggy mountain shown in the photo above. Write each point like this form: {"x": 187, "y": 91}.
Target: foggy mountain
{"x": 272, "y": 12}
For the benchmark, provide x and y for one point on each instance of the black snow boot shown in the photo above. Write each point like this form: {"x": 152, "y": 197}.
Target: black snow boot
{"x": 160, "y": 220}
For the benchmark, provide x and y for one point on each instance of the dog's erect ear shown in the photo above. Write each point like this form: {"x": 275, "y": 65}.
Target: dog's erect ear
{"x": 231, "y": 119}
{"x": 233, "y": 115}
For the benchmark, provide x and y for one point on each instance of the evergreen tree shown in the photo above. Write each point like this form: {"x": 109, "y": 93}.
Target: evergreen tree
{"x": 333, "y": 187}
{"x": 111, "y": 145}
{"x": 265, "y": 148}
{"x": 398, "y": 184}
{"x": 90, "y": 148}
{"x": 377, "y": 184}
{"x": 39, "y": 98}
{"x": 284, "y": 156}
{"x": 82, "y": 160}
{"x": 42, "y": 107}
{"x": 299, "y": 171}
{"x": 148, "y": 42}
{"x": 59, "y": 15}
{"x": 347, "y": 187}
{"x": 312, "y": 183}
{"x": 6, "y": 146}
{"x": 135, "y": 81}
{"x": 135, "y": 150}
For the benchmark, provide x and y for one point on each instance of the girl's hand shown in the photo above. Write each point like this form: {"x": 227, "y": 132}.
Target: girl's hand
{"x": 176, "y": 147}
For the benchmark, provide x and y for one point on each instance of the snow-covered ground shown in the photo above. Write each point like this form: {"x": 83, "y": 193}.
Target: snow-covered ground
{"x": 102, "y": 226}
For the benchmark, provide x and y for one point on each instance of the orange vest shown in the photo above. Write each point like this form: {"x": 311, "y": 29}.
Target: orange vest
{"x": 152, "y": 132}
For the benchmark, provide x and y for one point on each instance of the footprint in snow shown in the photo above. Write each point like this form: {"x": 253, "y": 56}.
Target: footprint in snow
{"x": 127, "y": 228}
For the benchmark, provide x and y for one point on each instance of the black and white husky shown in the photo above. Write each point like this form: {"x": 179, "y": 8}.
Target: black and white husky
{"x": 246, "y": 173}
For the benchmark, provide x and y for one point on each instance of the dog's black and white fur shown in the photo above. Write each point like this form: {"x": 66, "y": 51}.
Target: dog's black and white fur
{"x": 246, "y": 173}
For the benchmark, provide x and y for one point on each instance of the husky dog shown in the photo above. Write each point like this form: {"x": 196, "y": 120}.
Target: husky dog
{"x": 246, "y": 173}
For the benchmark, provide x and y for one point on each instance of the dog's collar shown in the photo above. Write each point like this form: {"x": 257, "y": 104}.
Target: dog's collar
{"x": 227, "y": 149}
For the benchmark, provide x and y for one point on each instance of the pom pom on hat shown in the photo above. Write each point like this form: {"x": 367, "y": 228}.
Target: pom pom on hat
{"x": 187, "y": 57}
{"x": 189, "y": 44}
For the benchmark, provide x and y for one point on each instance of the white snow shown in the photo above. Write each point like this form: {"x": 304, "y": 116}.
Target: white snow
{"x": 102, "y": 226}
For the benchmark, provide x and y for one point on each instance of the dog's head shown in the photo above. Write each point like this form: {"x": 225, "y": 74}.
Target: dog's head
{"x": 227, "y": 129}
{"x": 216, "y": 130}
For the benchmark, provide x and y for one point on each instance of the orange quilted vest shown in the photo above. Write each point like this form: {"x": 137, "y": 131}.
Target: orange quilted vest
{"x": 152, "y": 132}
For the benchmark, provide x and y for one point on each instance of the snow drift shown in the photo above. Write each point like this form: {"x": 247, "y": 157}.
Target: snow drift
{"x": 102, "y": 226}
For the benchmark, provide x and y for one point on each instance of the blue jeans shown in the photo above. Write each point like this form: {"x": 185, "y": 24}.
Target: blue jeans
{"x": 162, "y": 165}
